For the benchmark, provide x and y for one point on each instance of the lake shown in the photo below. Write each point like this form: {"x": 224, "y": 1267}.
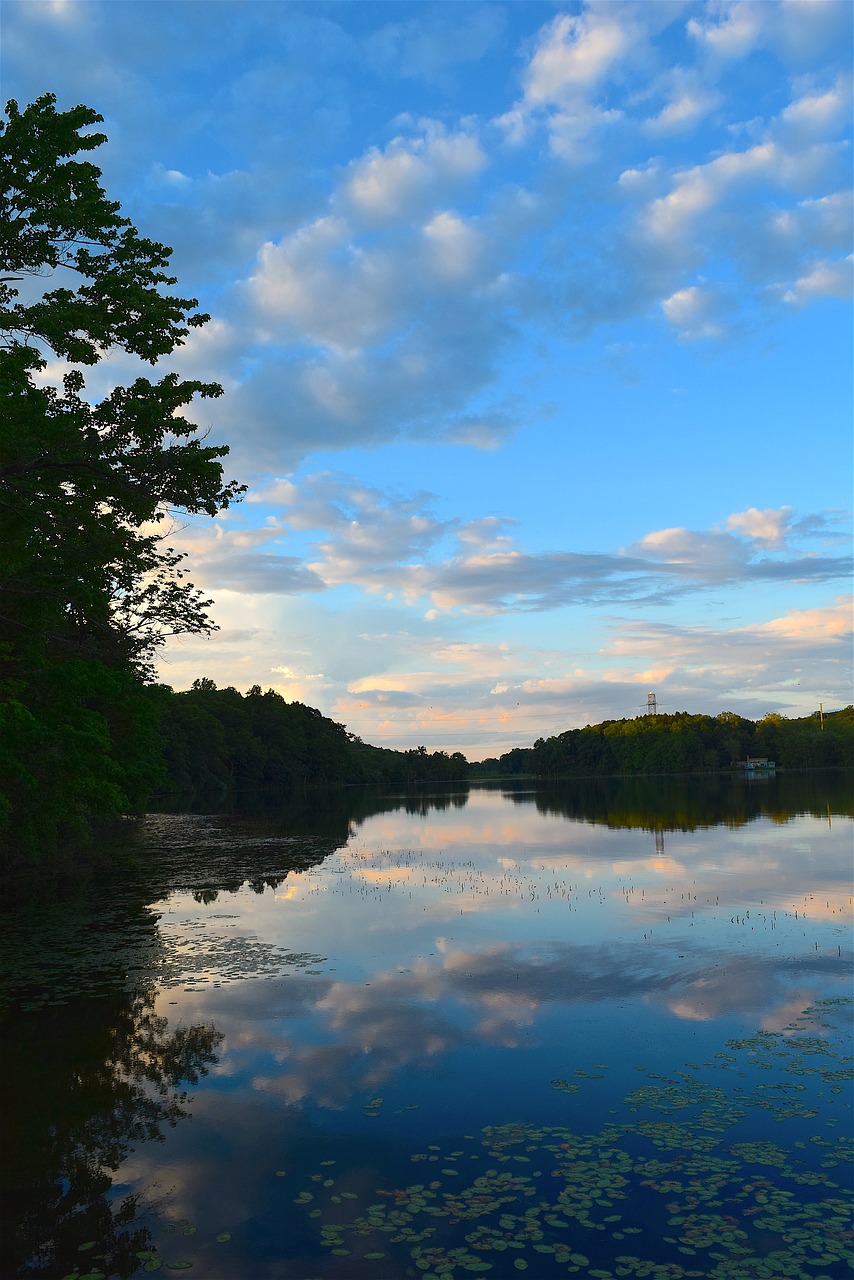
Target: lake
{"x": 600, "y": 1029}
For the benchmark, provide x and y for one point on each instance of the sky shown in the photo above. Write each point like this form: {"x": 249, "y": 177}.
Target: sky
{"x": 534, "y": 323}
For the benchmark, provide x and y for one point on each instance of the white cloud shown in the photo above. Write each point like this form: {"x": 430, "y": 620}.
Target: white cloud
{"x": 700, "y": 189}
{"x": 827, "y": 279}
{"x": 574, "y": 53}
{"x": 385, "y": 296}
{"x": 783, "y": 663}
{"x": 797, "y": 31}
{"x": 318, "y": 286}
{"x": 823, "y": 224}
{"x": 821, "y": 626}
{"x": 696, "y": 312}
{"x": 688, "y": 100}
{"x": 169, "y": 177}
{"x": 412, "y": 175}
{"x": 769, "y": 527}
{"x": 708, "y": 556}
{"x": 732, "y": 30}
{"x": 574, "y": 132}
{"x": 681, "y": 113}
{"x": 408, "y": 684}
{"x": 454, "y": 247}
{"x": 495, "y": 697}
{"x": 821, "y": 112}
{"x": 282, "y": 492}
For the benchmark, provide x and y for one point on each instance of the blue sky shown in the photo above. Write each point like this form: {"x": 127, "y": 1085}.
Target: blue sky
{"x": 534, "y": 322}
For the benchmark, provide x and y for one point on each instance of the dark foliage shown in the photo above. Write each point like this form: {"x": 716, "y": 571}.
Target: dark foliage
{"x": 222, "y": 742}
{"x": 90, "y": 1083}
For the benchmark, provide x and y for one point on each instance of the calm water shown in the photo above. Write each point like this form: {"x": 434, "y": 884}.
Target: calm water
{"x": 601, "y": 1030}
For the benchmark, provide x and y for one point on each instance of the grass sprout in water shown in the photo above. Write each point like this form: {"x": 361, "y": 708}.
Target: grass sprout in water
{"x": 677, "y": 1186}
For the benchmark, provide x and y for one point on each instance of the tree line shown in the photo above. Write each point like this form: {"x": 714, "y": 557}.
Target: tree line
{"x": 682, "y": 743}
{"x": 221, "y": 740}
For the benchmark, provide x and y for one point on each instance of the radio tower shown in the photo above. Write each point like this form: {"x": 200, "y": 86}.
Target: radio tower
{"x": 650, "y": 704}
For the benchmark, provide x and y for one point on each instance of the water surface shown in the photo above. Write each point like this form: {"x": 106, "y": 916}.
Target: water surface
{"x": 600, "y": 1030}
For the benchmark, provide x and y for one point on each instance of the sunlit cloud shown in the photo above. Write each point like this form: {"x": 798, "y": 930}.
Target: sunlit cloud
{"x": 412, "y": 174}
{"x": 768, "y": 527}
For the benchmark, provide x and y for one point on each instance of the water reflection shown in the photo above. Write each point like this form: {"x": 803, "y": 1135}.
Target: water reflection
{"x": 328, "y": 1044}
{"x": 384, "y": 970}
{"x": 502, "y": 930}
{"x": 687, "y": 802}
{"x": 666, "y": 803}
{"x": 90, "y": 1081}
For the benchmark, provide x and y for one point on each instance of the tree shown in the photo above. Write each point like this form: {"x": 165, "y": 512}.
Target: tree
{"x": 82, "y": 484}
{"x": 86, "y": 577}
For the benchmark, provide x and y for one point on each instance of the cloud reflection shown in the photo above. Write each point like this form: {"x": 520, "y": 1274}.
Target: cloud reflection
{"x": 366, "y": 1037}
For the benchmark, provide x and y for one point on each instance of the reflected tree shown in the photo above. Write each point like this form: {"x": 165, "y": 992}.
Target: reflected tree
{"x": 687, "y": 803}
{"x": 91, "y": 1080}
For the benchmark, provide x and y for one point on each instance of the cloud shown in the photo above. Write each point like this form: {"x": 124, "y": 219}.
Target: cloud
{"x": 819, "y": 626}
{"x": 390, "y": 544}
{"x": 824, "y": 225}
{"x": 574, "y": 53}
{"x": 700, "y": 189}
{"x": 769, "y": 527}
{"x": 756, "y": 668}
{"x": 257, "y": 572}
{"x": 797, "y": 31}
{"x": 826, "y": 279}
{"x": 412, "y": 175}
{"x": 696, "y": 312}
{"x": 659, "y": 566}
{"x": 735, "y": 33}
{"x": 418, "y": 681}
{"x": 370, "y": 531}
{"x": 454, "y": 246}
{"x": 820, "y": 111}
{"x": 428, "y": 682}
{"x": 395, "y": 302}
{"x": 687, "y": 103}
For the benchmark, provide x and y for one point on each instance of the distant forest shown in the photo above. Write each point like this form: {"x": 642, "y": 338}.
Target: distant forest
{"x": 220, "y": 740}
{"x": 682, "y": 743}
